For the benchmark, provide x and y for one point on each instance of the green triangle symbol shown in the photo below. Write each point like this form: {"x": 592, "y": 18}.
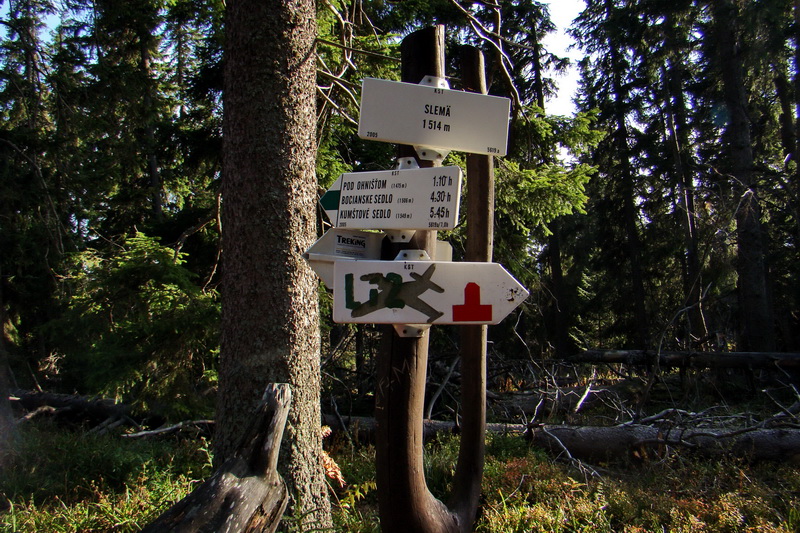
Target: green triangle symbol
{"x": 330, "y": 200}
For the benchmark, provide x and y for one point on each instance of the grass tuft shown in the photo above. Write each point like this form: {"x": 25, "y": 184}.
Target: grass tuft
{"x": 64, "y": 481}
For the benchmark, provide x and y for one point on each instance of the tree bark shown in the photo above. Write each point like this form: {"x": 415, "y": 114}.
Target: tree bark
{"x": 246, "y": 494}
{"x": 270, "y": 315}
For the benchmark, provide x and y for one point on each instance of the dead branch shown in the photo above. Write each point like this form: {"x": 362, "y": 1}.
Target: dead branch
{"x": 246, "y": 494}
{"x": 359, "y": 51}
{"x": 196, "y": 426}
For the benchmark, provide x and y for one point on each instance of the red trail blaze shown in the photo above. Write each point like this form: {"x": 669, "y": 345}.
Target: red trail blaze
{"x": 472, "y": 310}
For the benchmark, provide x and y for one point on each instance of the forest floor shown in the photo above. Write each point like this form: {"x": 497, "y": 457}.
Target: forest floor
{"x": 74, "y": 480}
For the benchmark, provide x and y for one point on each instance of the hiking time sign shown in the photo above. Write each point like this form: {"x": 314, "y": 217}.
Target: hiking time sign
{"x": 410, "y": 199}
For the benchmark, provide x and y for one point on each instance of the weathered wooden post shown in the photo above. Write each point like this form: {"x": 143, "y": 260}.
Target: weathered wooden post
{"x": 479, "y": 246}
{"x": 404, "y": 501}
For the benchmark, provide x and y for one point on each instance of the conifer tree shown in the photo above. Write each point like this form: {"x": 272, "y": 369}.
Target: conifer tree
{"x": 270, "y": 321}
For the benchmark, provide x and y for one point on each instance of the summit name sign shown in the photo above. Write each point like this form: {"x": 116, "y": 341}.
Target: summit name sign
{"x": 433, "y": 117}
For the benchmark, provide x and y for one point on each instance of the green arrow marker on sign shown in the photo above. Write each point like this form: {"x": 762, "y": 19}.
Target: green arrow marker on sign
{"x": 330, "y": 200}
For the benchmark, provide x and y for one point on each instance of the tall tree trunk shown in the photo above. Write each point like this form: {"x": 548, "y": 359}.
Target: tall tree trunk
{"x": 785, "y": 322}
{"x": 755, "y": 313}
{"x": 795, "y": 192}
{"x": 538, "y": 74}
{"x": 270, "y": 320}
{"x": 7, "y": 425}
{"x": 783, "y": 91}
{"x": 153, "y": 172}
{"x": 630, "y": 216}
{"x": 680, "y": 143}
{"x": 560, "y": 333}
{"x": 797, "y": 110}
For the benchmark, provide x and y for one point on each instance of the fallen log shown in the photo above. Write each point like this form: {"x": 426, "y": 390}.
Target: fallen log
{"x": 594, "y": 444}
{"x": 752, "y": 360}
{"x": 597, "y": 444}
{"x": 68, "y": 407}
{"x": 100, "y": 414}
{"x": 362, "y": 428}
{"x": 246, "y": 494}
{"x": 540, "y": 404}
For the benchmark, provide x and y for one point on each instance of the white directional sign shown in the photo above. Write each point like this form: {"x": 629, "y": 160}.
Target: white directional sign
{"x": 444, "y": 119}
{"x": 422, "y": 198}
{"x": 342, "y": 245}
{"x": 423, "y": 292}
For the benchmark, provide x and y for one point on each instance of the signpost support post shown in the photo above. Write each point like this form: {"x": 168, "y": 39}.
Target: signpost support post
{"x": 404, "y": 501}
{"x": 404, "y": 286}
{"x": 479, "y": 244}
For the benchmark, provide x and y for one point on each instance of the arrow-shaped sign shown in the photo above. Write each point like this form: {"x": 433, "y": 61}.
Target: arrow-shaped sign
{"x": 423, "y": 292}
{"x": 434, "y": 117}
{"x": 421, "y": 198}
{"x": 342, "y": 245}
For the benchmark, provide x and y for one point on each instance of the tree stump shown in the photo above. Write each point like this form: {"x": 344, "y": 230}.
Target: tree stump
{"x": 246, "y": 494}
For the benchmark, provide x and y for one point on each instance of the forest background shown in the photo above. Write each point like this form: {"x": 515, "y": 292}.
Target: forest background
{"x": 662, "y": 215}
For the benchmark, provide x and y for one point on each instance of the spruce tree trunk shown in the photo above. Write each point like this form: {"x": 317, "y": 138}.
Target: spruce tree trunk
{"x": 559, "y": 334}
{"x": 639, "y": 323}
{"x": 150, "y": 113}
{"x": 796, "y": 156}
{"x": 677, "y": 112}
{"x": 270, "y": 320}
{"x": 755, "y": 314}
{"x": 7, "y": 424}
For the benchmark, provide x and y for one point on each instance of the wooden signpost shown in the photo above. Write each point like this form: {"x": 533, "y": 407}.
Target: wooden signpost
{"x": 408, "y": 290}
